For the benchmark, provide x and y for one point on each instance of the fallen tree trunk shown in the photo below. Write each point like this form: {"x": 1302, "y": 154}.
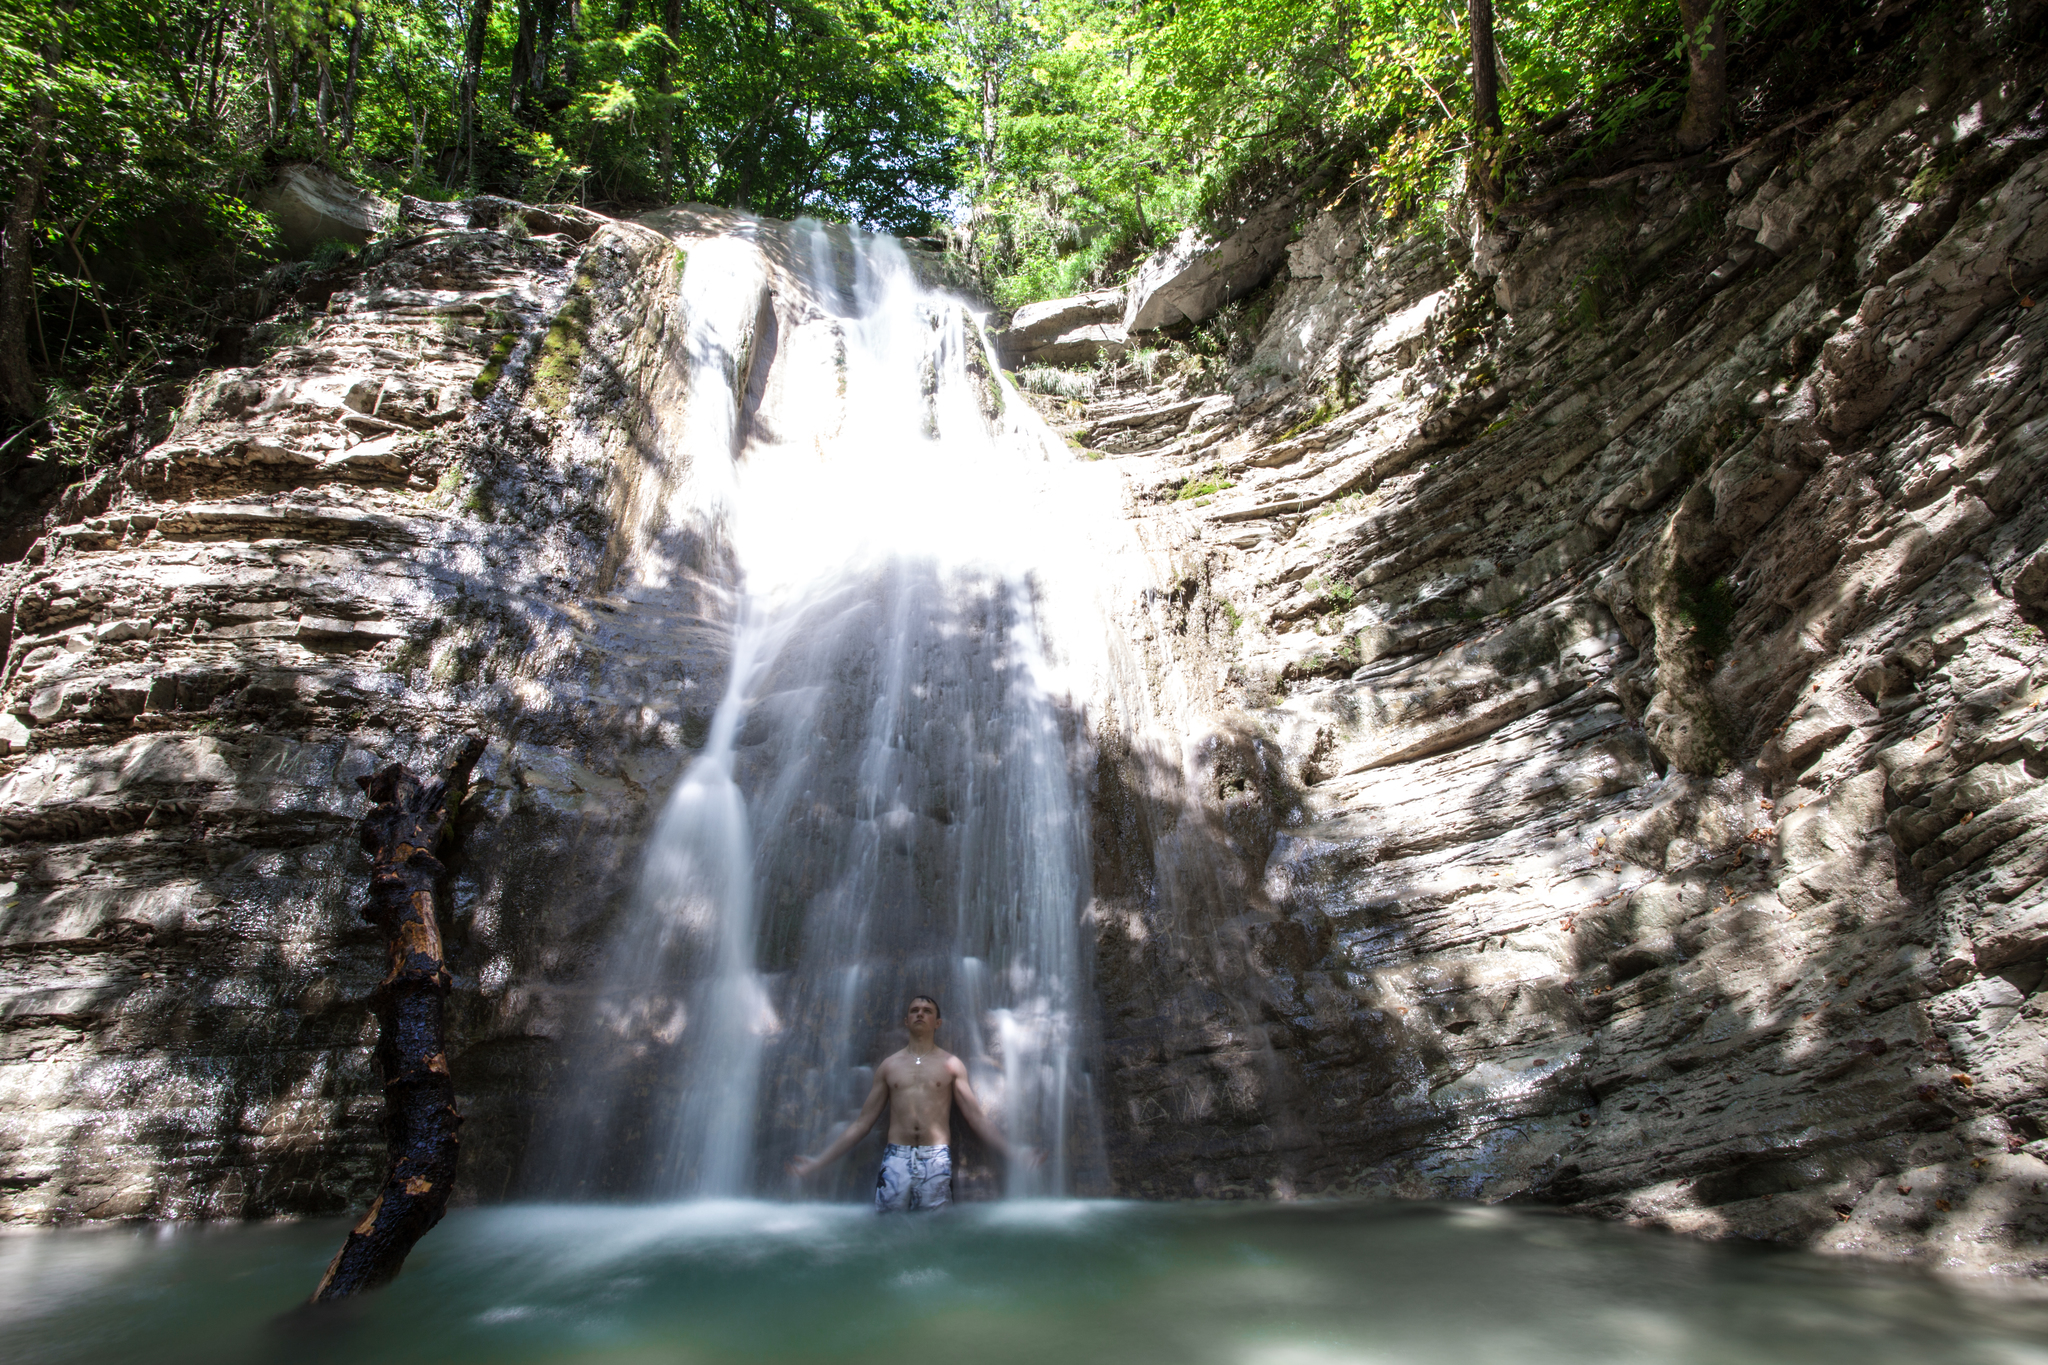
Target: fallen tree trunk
{"x": 401, "y": 833}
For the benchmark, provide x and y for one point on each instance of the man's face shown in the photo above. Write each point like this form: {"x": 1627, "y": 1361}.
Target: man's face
{"x": 921, "y": 1017}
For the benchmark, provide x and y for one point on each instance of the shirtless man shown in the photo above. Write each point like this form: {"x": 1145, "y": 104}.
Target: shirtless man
{"x": 920, "y": 1085}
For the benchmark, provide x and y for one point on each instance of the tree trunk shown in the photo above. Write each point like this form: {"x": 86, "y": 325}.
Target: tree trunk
{"x": 472, "y": 81}
{"x": 214, "y": 94}
{"x": 291, "y": 98}
{"x": 18, "y": 390}
{"x": 1486, "y": 125}
{"x": 572, "y": 65}
{"x": 273, "y": 72}
{"x": 181, "y": 59}
{"x": 991, "y": 105}
{"x": 992, "y": 42}
{"x": 522, "y": 60}
{"x": 1706, "y": 94}
{"x": 544, "y": 48}
{"x": 401, "y": 833}
{"x": 323, "y": 98}
{"x": 350, "y": 88}
{"x": 664, "y": 82}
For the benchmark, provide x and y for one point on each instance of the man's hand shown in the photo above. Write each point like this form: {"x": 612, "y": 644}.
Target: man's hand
{"x": 878, "y": 1095}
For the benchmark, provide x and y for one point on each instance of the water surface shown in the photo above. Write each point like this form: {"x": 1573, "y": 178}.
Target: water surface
{"x": 1007, "y": 1284}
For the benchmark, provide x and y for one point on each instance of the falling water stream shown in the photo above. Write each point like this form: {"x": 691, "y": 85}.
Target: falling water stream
{"x": 889, "y": 799}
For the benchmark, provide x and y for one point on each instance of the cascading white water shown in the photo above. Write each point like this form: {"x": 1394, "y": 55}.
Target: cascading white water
{"x": 890, "y": 800}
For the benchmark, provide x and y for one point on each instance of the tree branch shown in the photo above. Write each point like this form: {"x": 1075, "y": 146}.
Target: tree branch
{"x": 401, "y": 833}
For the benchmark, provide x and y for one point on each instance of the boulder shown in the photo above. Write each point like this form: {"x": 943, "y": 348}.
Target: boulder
{"x": 1065, "y": 331}
{"x": 2030, "y": 584}
{"x": 1194, "y": 277}
{"x": 576, "y": 223}
{"x": 1081, "y": 345}
{"x": 414, "y": 210}
{"x": 312, "y": 205}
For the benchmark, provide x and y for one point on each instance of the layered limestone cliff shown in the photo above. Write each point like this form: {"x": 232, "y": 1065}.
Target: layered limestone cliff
{"x": 447, "y": 500}
{"x": 1583, "y": 741}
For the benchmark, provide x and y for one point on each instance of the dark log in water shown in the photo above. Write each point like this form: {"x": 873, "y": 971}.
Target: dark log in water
{"x": 401, "y": 833}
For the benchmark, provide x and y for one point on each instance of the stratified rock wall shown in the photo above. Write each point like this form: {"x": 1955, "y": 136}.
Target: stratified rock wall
{"x": 1581, "y": 738}
{"x": 449, "y": 504}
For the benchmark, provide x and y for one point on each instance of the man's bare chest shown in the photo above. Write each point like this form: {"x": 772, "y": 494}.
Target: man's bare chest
{"x": 917, "y": 1083}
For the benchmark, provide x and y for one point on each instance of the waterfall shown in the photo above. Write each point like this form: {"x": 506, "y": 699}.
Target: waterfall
{"x": 891, "y": 799}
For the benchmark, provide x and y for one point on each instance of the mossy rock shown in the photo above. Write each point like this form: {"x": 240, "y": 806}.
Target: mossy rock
{"x": 494, "y": 367}
{"x": 560, "y": 361}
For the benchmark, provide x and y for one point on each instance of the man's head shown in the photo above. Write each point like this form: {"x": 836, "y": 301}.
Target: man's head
{"x": 922, "y": 1016}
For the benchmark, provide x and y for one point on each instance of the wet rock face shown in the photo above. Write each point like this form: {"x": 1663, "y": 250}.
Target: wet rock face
{"x": 1644, "y": 620}
{"x": 421, "y": 514}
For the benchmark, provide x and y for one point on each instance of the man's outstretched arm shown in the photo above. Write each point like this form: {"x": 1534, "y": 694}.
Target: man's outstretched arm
{"x": 878, "y": 1098}
{"x": 978, "y": 1119}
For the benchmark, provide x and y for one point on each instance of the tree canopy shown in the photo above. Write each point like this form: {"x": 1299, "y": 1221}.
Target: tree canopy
{"x": 1059, "y": 139}
{"x": 1121, "y": 121}
{"x": 139, "y": 135}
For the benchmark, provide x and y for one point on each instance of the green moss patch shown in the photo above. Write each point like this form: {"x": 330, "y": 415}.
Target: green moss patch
{"x": 494, "y": 367}
{"x": 1709, "y": 609}
{"x": 560, "y": 361}
{"x": 1325, "y": 410}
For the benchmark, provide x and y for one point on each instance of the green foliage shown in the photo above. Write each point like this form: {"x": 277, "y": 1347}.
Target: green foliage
{"x": 1063, "y": 139}
{"x": 332, "y": 252}
{"x": 450, "y": 480}
{"x": 1074, "y": 385}
{"x": 140, "y": 228}
{"x": 1120, "y": 124}
{"x": 1338, "y": 590}
{"x": 830, "y": 108}
{"x": 1149, "y": 360}
{"x": 158, "y": 128}
{"x": 1202, "y": 488}
{"x": 1323, "y": 412}
{"x": 1708, "y": 608}
{"x": 1934, "y": 175}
